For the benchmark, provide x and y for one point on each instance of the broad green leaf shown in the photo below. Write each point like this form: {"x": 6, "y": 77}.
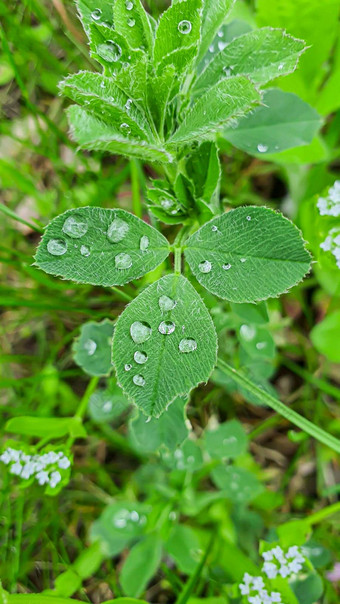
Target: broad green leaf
{"x": 251, "y": 313}
{"x": 204, "y": 169}
{"x": 248, "y": 254}
{"x": 100, "y": 246}
{"x": 282, "y": 122}
{"x": 257, "y": 341}
{"x": 317, "y": 151}
{"x": 130, "y": 20}
{"x": 328, "y": 98}
{"x": 92, "y": 350}
{"x": 164, "y": 344}
{"x": 228, "y": 440}
{"x": 46, "y": 427}
{"x": 308, "y": 590}
{"x": 184, "y": 548}
{"x": 228, "y": 99}
{"x": 107, "y": 405}
{"x": 178, "y": 35}
{"x": 326, "y": 336}
{"x": 187, "y": 458}
{"x": 94, "y": 11}
{"x": 215, "y": 13}
{"x": 102, "y": 97}
{"x": 262, "y": 54}
{"x": 238, "y": 485}
{"x": 141, "y": 564}
{"x": 119, "y": 524}
{"x": 94, "y": 134}
{"x": 169, "y": 430}
{"x": 111, "y": 49}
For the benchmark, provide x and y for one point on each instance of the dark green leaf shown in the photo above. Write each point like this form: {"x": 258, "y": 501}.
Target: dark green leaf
{"x": 92, "y": 350}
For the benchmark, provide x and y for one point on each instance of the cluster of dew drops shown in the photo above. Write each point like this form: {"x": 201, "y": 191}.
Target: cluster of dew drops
{"x": 206, "y": 266}
{"x": 76, "y": 227}
{"x": 141, "y": 332}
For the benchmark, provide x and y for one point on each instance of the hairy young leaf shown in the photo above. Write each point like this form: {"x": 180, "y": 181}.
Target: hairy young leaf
{"x": 284, "y": 121}
{"x": 204, "y": 169}
{"x": 93, "y": 12}
{"x": 140, "y": 565}
{"x": 92, "y": 350}
{"x": 131, "y": 21}
{"x": 111, "y": 49}
{"x": 248, "y": 254}
{"x": 94, "y": 134}
{"x": 164, "y": 344}
{"x": 228, "y": 99}
{"x": 262, "y": 54}
{"x": 215, "y": 13}
{"x": 100, "y": 246}
{"x": 168, "y": 430}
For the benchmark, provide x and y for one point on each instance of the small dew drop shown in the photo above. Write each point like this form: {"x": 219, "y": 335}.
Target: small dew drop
{"x": 123, "y": 261}
{"x": 140, "y": 332}
{"x": 261, "y": 345}
{"x": 128, "y": 367}
{"x": 226, "y": 267}
{"x": 128, "y": 104}
{"x": 144, "y": 243}
{"x": 57, "y": 247}
{"x": 102, "y": 84}
{"x": 128, "y": 5}
{"x": 140, "y": 357}
{"x": 243, "y": 259}
{"x": 262, "y": 148}
{"x": 280, "y": 67}
{"x": 166, "y": 203}
{"x": 138, "y": 380}
{"x": 117, "y": 230}
{"x": 166, "y": 327}
{"x": 220, "y": 34}
{"x": 85, "y": 251}
{"x": 131, "y": 22}
{"x": 166, "y": 303}
{"x": 205, "y": 266}
{"x": 248, "y": 218}
{"x": 187, "y": 345}
{"x": 75, "y": 226}
{"x": 96, "y": 14}
{"x": 109, "y": 51}
{"x": 125, "y": 128}
{"x": 184, "y": 27}
{"x": 211, "y": 48}
{"x": 248, "y": 332}
{"x": 90, "y": 347}
{"x": 107, "y": 407}
{"x": 214, "y": 228}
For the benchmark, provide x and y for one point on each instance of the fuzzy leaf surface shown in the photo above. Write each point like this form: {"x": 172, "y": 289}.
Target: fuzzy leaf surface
{"x": 249, "y": 254}
{"x": 167, "y": 372}
{"x": 133, "y": 24}
{"x": 108, "y": 252}
{"x": 215, "y": 13}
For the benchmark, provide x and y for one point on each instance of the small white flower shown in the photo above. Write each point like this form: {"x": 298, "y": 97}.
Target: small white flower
{"x": 42, "y": 477}
{"x": 258, "y": 583}
{"x": 276, "y": 597}
{"x": 54, "y": 479}
{"x": 64, "y": 463}
{"x": 284, "y": 571}
{"x": 270, "y": 569}
{"x": 6, "y": 457}
{"x": 254, "y": 600}
{"x": 268, "y": 556}
{"x": 14, "y": 453}
{"x": 28, "y": 470}
{"x": 16, "y": 468}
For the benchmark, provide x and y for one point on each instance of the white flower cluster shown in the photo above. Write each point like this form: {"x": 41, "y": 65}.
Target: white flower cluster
{"x": 42, "y": 467}
{"x": 279, "y": 563}
{"x": 332, "y": 244}
{"x": 330, "y": 205}
{"x": 255, "y": 589}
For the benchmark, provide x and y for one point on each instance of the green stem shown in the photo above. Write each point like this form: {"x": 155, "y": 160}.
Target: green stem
{"x": 13, "y": 215}
{"x": 136, "y": 197}
{"x": 312, "y": 379}
{"x": 178, "y": 260}
{"x": 122, "y": 294}
{"x": 323, "y": 514}
{"x": 281, "y": 408}
{"x": 190, "y": 585}
{"x": 92, "y": 385}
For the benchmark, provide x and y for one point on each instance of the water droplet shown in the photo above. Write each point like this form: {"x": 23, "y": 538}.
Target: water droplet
{"x": 214, "y": 228}
{"x": 166, "y": 303}
{"x": 220, "y": 34}
{"x": 127, "y": 367}
{"x": 243, "y": 259}
{"x": 90, "y": 347}
{"x": 123, "y": 261}
{"x": 280, "y": 67}
{"x": 57, "y": 247}
{"x": 107, "y": 407}
{"x": 248, "y": 217}
{"x": 140, "y": 332}
{"x": 211, "y": 48}
{"x": 128, "y": 5}
{"x": 184, "y": 27}
{"x": 261, "y": 345}
{"x": 102, "y": 84}
{"x": 85, "y": 251}
{"x": 117, "y": 230}
{"x": 248, "y": 332}
{"x": 110, "y": 51}
{"x": 140, "y": 357}
{"x": 125, "y": 128}
{"x": 166, "y": 327}
{"x": 138, "y": 380}
{"x": 128, "y": 104}
{"x": 131, "y": 22}
{"x": 226, "y": 267}
{"x": 166, "y": 203}
{"x": 262, "y": 148}
{"x": 96, "y": 14}
{"x": 144, "y": 243}
{"x": 187, "y": 345}
{"x": 205, "y": 266}
{"x": 75, "y": 226}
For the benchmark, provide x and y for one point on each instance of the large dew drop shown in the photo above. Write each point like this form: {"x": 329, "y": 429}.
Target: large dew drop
{"x": 262, "y": 148}
{"x": 57, "y": 247}
{"x": 140, "y": 332}
{"x": 166, "y": 303}
{"x": 123, "y": 261}
{"x": 85, "y": 251}
{"x": 248, "y": 332}
{"x": 140, "y": 357}
{"x": 125, "y": 128}
{"x": 187, "y": 345}
{"x": 131, "y": 22}
{"x": 128, "y": 5}
{"x": 90, "y": 347}
{"x": 138, "y": 380}
{"x": 109, "y": 51}
{"x": 117, "y": 230}
{"x": 144, "y": 243}
{"x": 205, "y": 266}
{"x": 96, "y": 14}
{"x": 184, "y": 27}
{"x": 166, "y": 327}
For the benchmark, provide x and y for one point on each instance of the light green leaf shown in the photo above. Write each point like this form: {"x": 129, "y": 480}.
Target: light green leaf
{"x": 257, "y": 341}
{"x": 215, "y": 13}
{"x": 326, "y": 336}
{"x": 93, "y": 12}
{"x": 187, "y": 458}
{"x": 132, "y": 80}
{"x": 204, "y": 169}
{"x": 46, "y": 427}
{"x": 161, "y": 89}
{"x": 248, "y": 254}
{"x": 119, "y": 524}
{"x": 308, "y": 590}
{"x": 141, "y": 564}
{"x": 238, "y": 485}
{"x": 170, "y": 326}
{"x": 169, "y": 430}
{"x": 107, "y": 405}
{"x": 184, "y": 547}
{"x": 92, "y": 350}
{"x": 284, "y": 121}
{"x": 228, "y": 440}
{"x": 228, "y": 99}
{"x": 262, "y": 54}
{"x": 252, "y": 313}
{"x": 111, "y": 49}
{"x": 100, "y": 246}
{"x": 133, "y": 23}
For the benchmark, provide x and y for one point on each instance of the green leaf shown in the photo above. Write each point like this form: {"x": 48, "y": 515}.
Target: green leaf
{"x": 184, "y": 547}
{"x": 125, "y": 601}
{"x": 46, "y": 427}
{"x": 92, "y": 350}
{"x": 94, "y": 11}
{"x": 169, "y": 430}
{"x": 119, "y": 524}
{"x": 251, "y": 313}
{"x": 308, "y": 590}
{"x": 169, "y": 331}
{"x": 326, "y": 336}
{"x": 131, "y": 21}
{"x": 94, "y": 134}
{"x": 140, "y": 565}
{"x": 187, "y": 458}
{"x": 204, "y": 169}
{"x": 238, "y": 485}
{"x": 100, "y": 246}
{"x": 228, "y": 99}
{"x": 215, "y": 13}
{"x": 284, "y": 121}
{"x": 162, "y": 88}
{"x": 38, "y": 599}
{"x": 262, "y": 54}
{"x": 248, "y": 254}
{"x": 257, "y": 341}
{"x": 107, "y": 405}
{"x": 111, "y": 49}
{"x": 228, "y": 440}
